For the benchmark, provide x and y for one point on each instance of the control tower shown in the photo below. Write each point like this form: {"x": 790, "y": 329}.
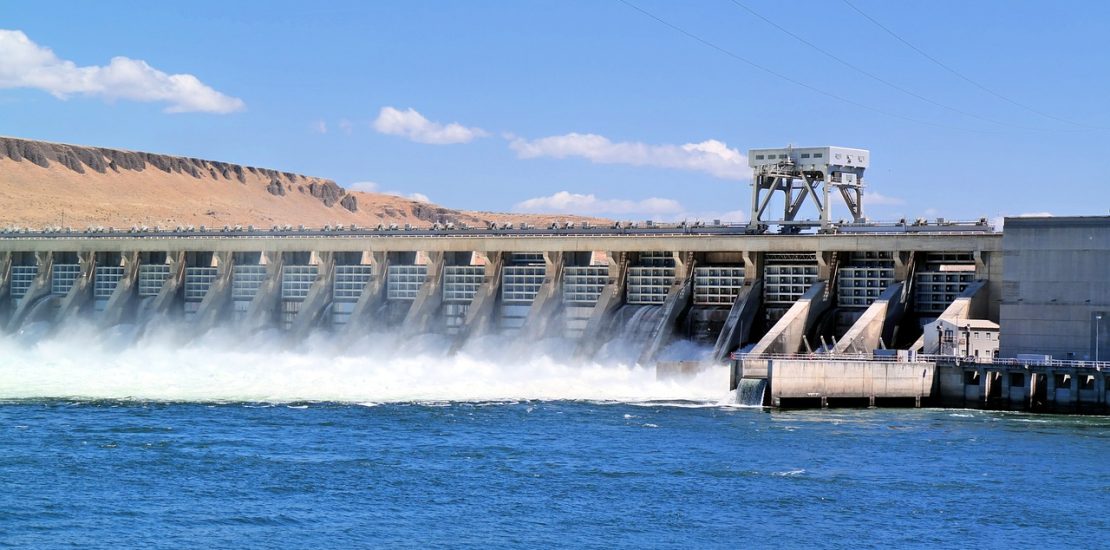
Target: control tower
{"x": 805, "y": 175}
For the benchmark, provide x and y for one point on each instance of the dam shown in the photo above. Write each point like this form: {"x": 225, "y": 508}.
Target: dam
{"x": 716, "y": 285}
{"x": 758, "y": 296}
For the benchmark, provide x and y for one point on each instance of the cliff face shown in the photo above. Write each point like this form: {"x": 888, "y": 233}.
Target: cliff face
{"x": 51, "y": 184}
{"x": 98, "y": 159}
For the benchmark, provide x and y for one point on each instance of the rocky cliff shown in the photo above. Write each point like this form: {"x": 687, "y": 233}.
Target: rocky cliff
{"x": 98, "y": 159}
{"x": 53, "y": 184}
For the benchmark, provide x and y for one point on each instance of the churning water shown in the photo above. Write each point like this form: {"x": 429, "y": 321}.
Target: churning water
{"x": 231, "y": 441}
{"x": 166, "y": 364}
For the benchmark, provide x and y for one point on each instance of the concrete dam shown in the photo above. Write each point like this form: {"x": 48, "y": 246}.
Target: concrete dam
{"x": 801, "y": 310}
{"x": 718, "y": 286}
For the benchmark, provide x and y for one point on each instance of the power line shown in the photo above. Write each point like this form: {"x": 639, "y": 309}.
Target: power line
{"x": 963, "y": 77}
{"x": 875, "y": 77}
{"x": 781, "y": 76}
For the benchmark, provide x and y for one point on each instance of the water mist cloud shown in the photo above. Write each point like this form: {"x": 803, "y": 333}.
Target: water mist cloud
{"x": 163, "y": 365}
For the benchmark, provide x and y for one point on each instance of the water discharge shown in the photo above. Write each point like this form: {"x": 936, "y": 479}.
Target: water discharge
{"x": 165, "y": 363}
{"x": 751, "y": 391}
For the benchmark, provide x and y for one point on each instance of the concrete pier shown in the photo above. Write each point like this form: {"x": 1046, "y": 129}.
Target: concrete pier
{"x": 1058, "y": 386}
{"x": 832, "y": 381}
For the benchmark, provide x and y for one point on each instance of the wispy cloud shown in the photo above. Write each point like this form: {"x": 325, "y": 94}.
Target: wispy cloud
{"x": 25, "y": 64}
{"x": 414, "y": 126}
{"x": 319, "y": 127}
{"x": 364, "y": 186}
{"x": 874, "y": 198}
{"x": 653, "y": 208}
{"x": 373, "y": 187}
{"x": 710, "y": 156}
{"x": 999, "y": 221}
{"x": 565, "y": 202}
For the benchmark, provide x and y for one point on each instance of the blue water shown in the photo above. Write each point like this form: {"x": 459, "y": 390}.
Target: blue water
{"x": 544, "y": 474}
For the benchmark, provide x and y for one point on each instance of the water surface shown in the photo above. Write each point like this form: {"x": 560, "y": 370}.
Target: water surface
{"x": 528, "y": 473}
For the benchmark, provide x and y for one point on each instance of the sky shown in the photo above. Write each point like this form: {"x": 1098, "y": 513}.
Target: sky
{"x": 630, "y": 109}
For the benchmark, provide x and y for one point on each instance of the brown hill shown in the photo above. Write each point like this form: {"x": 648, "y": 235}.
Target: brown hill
{"x": 51, "y": 184}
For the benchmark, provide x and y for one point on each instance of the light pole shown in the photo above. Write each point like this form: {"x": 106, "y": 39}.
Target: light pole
{"x": 1098, "y": 317}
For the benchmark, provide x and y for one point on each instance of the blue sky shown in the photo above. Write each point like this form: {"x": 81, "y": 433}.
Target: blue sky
{"x": 588, "y": 106}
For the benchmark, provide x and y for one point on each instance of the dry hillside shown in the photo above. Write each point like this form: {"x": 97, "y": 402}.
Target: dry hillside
{"x": 51, "y": 184}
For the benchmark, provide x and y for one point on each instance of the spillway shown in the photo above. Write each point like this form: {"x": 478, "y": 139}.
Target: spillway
{"x": 598, "y": 289}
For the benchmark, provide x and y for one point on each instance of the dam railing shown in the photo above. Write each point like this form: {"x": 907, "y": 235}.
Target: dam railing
{"x": 929, "y": 358}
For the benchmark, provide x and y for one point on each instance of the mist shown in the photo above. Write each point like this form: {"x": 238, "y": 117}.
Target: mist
{"x": 167, "y": 363}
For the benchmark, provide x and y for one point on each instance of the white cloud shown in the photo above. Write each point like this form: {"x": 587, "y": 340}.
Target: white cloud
{"x": 364, "y": 186}
{"x": 710, "y": 156}
{"x": 373, "y": 187}
{"x": 653, "y": 208}
{"x": 414, "y": 126}
{"x": 731, "y": 216}
{"x": 25, "y": 64}
{"x": 320, "y": 127}
{"x": 873, "y": 198}
{"x": 998, "y": 221}
{"x": 565, "y": 202}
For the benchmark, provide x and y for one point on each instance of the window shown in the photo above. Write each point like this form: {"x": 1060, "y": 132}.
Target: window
{"x": 805, "y": 155}
{"x": 759, "y": 157}
{"x": 818, "y": 155}
{"x": 782, "y": 156}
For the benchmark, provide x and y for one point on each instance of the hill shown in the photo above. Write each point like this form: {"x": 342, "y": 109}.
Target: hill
{"x": 54, "y": 184}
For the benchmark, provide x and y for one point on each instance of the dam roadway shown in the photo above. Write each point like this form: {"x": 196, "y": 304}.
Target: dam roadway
{"x": 663, "y": 239}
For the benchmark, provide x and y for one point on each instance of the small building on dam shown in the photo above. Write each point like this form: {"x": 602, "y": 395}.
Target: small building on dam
{"x": 819, "y": 306}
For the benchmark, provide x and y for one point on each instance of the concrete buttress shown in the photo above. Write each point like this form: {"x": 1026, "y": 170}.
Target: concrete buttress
{"x": 428, "y": 300}
{"x": 263, "y": 307}
{"x": 738, "y": 324}
{"x": 678, "y": 299}
{"x": 318, "y": 298}
{"x": 789, "y": 332}
{"x": 5, "y": 285}
{"x": 371, "y": 298}
{"x": 161, "y": 305}
{"x": 547, "y": 300}
{"x": 122, "y": 297}
{"x": 876, "y": 322}
{"x": 970, "y": 304}
{"x": 611, "y": 298}
{"x": 480, "y": 315}
{"x": 216, "y": 300}
{"x": 81, "y": 291}
{"x": 39, "y": 288}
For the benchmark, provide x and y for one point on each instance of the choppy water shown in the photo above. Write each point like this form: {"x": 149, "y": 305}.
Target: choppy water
{"x": 538, "y": 474}
{"x": 245, "y": 442}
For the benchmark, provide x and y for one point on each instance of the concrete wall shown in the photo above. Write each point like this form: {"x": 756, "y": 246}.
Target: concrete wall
{"x": 793, "y": 378}
{"x": 1056, "y": 278}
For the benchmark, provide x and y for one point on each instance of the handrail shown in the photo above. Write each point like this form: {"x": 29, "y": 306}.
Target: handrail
{"x": 928, "y": 358}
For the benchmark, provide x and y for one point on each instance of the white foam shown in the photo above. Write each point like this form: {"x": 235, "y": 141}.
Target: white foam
{"x": 80, "y": 362}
